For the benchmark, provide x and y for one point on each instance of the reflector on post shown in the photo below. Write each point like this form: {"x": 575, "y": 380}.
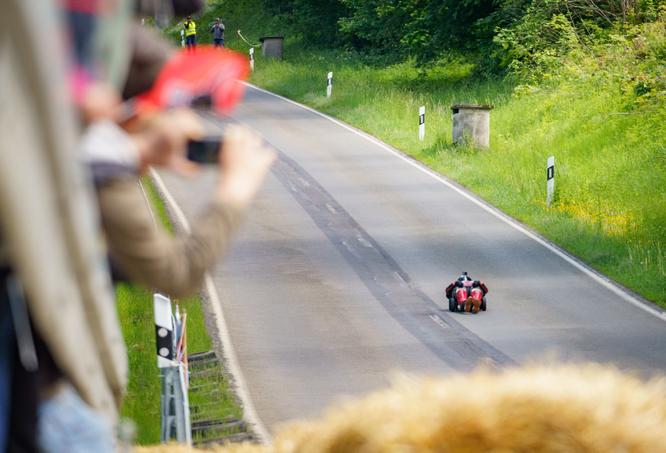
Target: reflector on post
{"x": 550, "y": 180}
{"x": 164, "y": 334}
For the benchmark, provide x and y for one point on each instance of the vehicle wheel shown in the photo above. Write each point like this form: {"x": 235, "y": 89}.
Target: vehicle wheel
{"x": 483, "y": 304}
{"x": 453, "y": 305}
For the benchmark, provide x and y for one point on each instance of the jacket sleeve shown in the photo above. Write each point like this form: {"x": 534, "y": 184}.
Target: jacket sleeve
{"x": 148, "y": 254}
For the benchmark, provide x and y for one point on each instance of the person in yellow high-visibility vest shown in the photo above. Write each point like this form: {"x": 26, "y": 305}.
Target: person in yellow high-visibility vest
{"x": 190, "y": 33}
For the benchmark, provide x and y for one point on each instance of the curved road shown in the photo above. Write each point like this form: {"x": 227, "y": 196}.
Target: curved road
{"x": 336, "y": 280}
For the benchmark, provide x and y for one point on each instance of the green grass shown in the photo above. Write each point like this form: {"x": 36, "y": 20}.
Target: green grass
{"x": 135, "y": 307}
{"x": 142, "y": 402}
{"x": 610, "y": 147}
{"x": 156, "y": 204}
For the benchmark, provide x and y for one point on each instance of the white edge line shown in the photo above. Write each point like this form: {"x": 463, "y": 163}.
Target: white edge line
{"x": 249, "y": 412}
{"x": 603, "y": 281}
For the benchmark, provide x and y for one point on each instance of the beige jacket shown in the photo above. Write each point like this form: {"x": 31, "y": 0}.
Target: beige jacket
{"x": 173, "y": 265}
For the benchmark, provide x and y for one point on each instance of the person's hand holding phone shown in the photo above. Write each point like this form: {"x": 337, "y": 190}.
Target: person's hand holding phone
{"x": 162, "y": 140}
{"x": 243, "y": 164}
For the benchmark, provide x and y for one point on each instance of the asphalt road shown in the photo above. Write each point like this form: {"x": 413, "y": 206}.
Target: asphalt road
{"x": 336, "y": 281}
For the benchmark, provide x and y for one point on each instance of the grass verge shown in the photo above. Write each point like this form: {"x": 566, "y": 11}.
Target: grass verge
{"x": 135, "y": 307}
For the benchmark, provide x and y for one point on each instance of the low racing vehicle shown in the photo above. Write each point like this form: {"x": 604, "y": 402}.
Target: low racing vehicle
{"x": 465, "y": 294}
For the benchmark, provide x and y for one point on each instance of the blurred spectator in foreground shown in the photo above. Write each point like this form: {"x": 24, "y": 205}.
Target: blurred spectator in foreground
{"x": 567, "y": 408}
{"x": 142, "y": 251}
{"x": 64, "y": 363}
{"x": 145, "y": 252}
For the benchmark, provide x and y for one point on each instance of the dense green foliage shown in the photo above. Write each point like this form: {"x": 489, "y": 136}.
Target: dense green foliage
{"x": 315, "y": 21}
{"x": 500, "y": 34}
{"x": 425, "y": 29}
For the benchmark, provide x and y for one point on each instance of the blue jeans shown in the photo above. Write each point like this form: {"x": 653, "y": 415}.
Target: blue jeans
{"x": 66, "y": 423}
{"x": 191, "y": 41}
{"x": 6, "y": 364}
{"x": 219, "y": 42}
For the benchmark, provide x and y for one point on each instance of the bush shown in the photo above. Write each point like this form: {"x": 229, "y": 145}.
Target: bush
{"x": 533, "y": 48}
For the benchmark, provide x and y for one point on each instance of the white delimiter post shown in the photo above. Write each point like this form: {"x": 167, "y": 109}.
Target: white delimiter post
{"x": 329, "y": 84}
{"x": 182, "y": 38}
{"x": 164, "y": 331}
{"x": 252, "y": 58}
{"x": 550, "y": 180}
{"x": 422, "y": 122}
{"x": 174, "y": 403}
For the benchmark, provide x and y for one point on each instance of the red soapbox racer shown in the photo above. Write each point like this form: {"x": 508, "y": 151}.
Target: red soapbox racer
{"x": 466, "y": 294}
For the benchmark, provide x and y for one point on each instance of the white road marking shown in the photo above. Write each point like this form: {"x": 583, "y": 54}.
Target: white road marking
{"x": 439, "y": 321}
{"x": 249, "y": 411}
{"x": 331, "y": 209}
{"x": 363, "y": 240}
{"x": 602, "y": 280}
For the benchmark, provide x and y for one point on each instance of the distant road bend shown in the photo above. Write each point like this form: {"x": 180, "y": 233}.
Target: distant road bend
{"x": 336, "y": 281}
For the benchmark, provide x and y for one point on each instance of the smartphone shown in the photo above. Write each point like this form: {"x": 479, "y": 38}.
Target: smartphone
{"x": 205, "y": 150}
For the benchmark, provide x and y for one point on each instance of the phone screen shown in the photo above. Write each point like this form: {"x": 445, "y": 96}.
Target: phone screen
{"x": 205, "y": 150}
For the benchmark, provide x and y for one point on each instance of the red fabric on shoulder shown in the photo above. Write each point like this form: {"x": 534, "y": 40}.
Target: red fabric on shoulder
{"x": 190, "y": 74}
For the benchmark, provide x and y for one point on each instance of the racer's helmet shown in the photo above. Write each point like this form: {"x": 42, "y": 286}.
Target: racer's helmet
{"x": 464, "y": 277}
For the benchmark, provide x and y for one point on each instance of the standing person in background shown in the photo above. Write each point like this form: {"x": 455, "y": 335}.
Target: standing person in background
{"x": 217, "y": 29}
{"x": 190, "y": 28}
